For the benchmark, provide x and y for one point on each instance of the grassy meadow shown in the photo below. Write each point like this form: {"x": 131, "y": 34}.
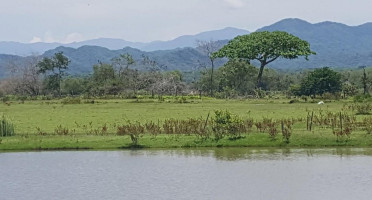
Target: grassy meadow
{"x": 38, "y": 124}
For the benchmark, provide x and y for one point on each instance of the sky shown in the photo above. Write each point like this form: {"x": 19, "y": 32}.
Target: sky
{"x": 67, "y": 21}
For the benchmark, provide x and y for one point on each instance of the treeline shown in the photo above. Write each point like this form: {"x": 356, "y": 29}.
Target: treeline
{"x": 127, "y": 78}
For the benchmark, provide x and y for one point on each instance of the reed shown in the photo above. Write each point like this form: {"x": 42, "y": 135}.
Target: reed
{"x": 6, "y": 127}
{"x": 135, "y": 131}
{"x": 60, "y": 130}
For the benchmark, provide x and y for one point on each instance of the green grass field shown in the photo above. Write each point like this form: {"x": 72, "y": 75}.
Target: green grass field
{"x": 47, "y": 115}
{"x": 35, "y": 123}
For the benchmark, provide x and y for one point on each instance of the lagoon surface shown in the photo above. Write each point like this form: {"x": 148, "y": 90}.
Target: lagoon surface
{"x": 223, "y": 173}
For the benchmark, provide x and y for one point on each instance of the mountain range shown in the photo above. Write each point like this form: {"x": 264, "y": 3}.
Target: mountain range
{"x": 336, "y": 45}
{"x": 26, "y": 49}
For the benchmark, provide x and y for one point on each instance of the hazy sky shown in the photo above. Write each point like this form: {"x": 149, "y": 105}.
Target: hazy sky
{"x": 148, "y": 20}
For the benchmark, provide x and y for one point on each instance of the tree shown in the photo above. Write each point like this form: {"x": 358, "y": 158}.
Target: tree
{"x": 321, "y": 81}
{"x": 55, "y": 67}
{"x": 103, "y": 80}
{"x": 24, "y": 79}
{"x": 365, "y": 81}
{"x": 265, "y": 47}
{"x": 208, "y": 48}
{"x": 237, "y": 75}
{"x": 123, "y": 61}
{"x": 74, "y": 85}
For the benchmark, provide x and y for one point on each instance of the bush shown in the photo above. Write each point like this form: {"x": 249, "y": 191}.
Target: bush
{"x": 135, "y": 131}
{"x": 5, "y": 98}
{"x": 61, "y": 130}
{"x": 362, "y": 98}
{"x": 71, "y": 100}
{"x": 6, "y": 127}
{"x": 226, "y": 123}
{"x": 363, "y": 109}
{"x": 47, "y": 97}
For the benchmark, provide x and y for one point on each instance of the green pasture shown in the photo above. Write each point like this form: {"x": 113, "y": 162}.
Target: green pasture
{"x": 36, "y": 121}
{"x": 81, "y": 118}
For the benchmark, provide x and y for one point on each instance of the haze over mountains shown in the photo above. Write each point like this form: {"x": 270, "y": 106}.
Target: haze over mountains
{"x": 26, "y": 49}
{"x": 336, "y": 45}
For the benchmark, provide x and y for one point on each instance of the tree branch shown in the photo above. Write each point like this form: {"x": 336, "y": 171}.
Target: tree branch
{"x": 272, "y": 60}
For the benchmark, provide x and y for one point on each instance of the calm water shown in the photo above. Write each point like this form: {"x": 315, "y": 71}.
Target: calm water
{"x": 236, "y": 173}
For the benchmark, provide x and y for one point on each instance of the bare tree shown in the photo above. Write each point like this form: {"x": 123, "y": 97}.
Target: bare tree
{"x": 208, "y": 48}
{"x": 124, "y": 61}
{"x": 24, "y": 79}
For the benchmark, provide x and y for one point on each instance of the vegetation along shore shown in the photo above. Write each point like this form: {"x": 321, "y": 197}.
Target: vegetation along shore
{"x": 225, "y": 102}
{"x": 150, "y": 123}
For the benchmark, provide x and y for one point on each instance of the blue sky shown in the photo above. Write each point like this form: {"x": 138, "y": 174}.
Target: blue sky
{"x": 148, "y": 20}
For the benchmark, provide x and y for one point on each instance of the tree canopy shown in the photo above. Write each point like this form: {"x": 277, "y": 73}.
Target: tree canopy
{"x": 49, "y": 66}
{"x": 321, "y": 81}
{"x": 265, "y": 47}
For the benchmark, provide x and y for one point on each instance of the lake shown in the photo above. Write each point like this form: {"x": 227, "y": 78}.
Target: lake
{"x": 221, "y": 173}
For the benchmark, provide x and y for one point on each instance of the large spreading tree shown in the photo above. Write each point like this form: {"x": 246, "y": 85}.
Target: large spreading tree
{"x": 265, "y": 47}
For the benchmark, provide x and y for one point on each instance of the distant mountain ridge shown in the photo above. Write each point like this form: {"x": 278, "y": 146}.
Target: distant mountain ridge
{"x": 83, "y": 58}
{"x": 336, "y": 45}
{"x": 26, "y": 49}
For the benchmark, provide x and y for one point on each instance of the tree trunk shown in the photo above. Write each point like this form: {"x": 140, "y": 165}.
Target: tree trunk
{"x": 259, "y": 77}
{"x": 59, "y": 82}
{"x": 364, "y": 80}
{"x": 212, "y": 62}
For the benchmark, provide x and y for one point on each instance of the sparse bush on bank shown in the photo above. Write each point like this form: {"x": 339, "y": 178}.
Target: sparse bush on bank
{"x": 6, "y": 127}
{"x": 234, "y": 123}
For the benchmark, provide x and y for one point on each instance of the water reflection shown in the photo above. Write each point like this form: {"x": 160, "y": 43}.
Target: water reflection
{"x": 219, "y": 173}
{"x": 233, "y": 154}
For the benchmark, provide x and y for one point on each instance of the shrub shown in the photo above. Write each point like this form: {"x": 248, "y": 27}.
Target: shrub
{"x": 362, "y": 98}
{"x": 188, "y": 126}
{"x": 152, "y": 128}
{"x": 71, "y": 100}
{"x": 363, "y": 109}
{"x": 5, "y": 99}
{"x": 135, "y": 131}
{"x": 226, "y": 123}
{"x": 367, "y": 122}
{"x": 61, "y": 130}
{"x": 286, "y": 126}
{"x": 6, "y": 127}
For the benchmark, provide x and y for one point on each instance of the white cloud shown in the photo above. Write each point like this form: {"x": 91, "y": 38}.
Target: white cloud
{"x": 50, "y": 38}
{"x": 73, "y": 37}
{"x": 35, "y": 40}
{"x": 235, "y": 3}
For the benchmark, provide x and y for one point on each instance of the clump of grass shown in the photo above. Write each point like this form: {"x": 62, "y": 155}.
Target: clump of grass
{"x": 363, "y": 109}
{"x": 272, "y": 127}
{"x": 89, "y": 101}
{"x": 367, "y": 122}
{"x": 188, "y": 126}
{"x": 341, "y": 128}
{"x": 60, "y": 130}
{"x": 135, "y": 131}
{"x": 40, "y": 132}
{"x": 286, "y": 129}
{"x": 71, "y": 100}
{"x": 153, "y": 129}
{"x": 248, "y": 123}
{"x": 104, "y": 129}
{"x": 6, "y": 127}
{"x": 260, "y": 127}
